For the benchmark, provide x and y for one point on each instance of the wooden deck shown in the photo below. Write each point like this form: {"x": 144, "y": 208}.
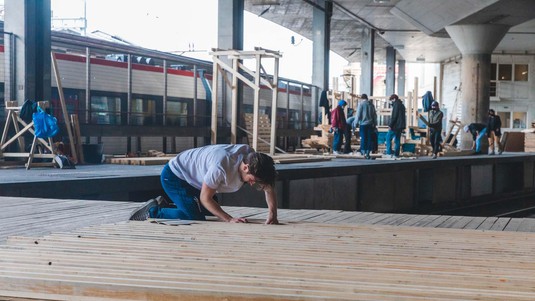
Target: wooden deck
{"x": 314, "y": 255}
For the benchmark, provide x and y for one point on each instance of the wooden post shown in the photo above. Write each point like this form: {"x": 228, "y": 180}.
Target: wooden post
{"x": 234, "y": 104}
{"x": 64, "y": 107}
{"x": 256, "y": 101}
{"x": 274, "y": 97}
{"x": 215, "y": 85}
{"x": 76, "y": 127}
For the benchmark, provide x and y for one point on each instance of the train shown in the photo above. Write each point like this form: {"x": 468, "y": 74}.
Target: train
{"x": 157, "y": 101}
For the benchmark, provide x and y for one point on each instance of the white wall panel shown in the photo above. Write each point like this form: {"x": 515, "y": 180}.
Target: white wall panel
{"x": 108, "y": 78}
{"x": 147, "y": 82}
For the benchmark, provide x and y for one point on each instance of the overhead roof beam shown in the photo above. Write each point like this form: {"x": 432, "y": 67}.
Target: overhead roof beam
{"x": 368, "y": 24}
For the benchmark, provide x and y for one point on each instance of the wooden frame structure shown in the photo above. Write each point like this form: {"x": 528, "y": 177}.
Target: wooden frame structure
{"x": 13, "y": 118}
{"x": 260, "y": 78}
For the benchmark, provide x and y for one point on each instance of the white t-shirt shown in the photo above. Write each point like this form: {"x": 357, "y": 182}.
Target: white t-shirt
{"x": 216, "y": 165}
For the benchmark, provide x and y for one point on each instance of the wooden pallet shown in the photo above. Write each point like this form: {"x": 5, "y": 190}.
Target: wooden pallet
{"x": 223, "y": 261}
{"x": 264, "y": 131}
{"x": 141, "y": 160}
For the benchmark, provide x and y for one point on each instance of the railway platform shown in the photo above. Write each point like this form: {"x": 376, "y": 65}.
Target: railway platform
{"x": 468, "y": 184}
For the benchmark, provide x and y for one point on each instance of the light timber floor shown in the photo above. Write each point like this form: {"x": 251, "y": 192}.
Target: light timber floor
{"x": 33, "y": 216}
{"x": 86, "y": 250}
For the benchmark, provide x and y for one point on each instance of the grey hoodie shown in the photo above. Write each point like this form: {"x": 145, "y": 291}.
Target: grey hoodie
{"x": 366, "y": 113}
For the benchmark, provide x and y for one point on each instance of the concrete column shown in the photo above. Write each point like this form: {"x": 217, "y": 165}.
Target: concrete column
{"x": 27, "y": 50}
{"x": 230, "y": 24}
{"x": 366, "y": 63}
{"x": 401, "y": 78}
{"x": 321, "y": 38}
{"x": 390, "y": 70}
{"x": 476, "y": 43}
{"x": 229, "y": 36}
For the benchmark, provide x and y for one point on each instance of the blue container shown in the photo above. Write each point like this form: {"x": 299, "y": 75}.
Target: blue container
{"x": 409, "y": 147}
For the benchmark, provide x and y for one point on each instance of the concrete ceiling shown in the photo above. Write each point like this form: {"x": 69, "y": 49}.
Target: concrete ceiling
{"x": 415, "y": 28}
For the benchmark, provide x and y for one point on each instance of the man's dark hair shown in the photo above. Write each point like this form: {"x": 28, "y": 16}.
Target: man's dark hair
{"x": 262, "y": 167}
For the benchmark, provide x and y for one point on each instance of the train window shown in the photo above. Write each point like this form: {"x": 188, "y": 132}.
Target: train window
{"x": 74, "y": 101}
{"x": 177, "y": 113}
{"x": 142, "y": 111}
{"x": 106, "y": 110}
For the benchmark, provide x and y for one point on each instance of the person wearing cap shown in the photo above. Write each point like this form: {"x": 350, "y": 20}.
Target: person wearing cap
{"x": 395, "y": 126}
{"x": 478, "y": 131}
{"x": 435, "y": 128}
{"x": 367, "y": 120}
{"x": 338, "y": 125}
{"x": 494, "y": 132}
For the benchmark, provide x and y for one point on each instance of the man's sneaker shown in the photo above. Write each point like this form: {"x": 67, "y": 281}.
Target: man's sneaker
{"x": 143, "y": 212}
{"x": 163, "y": 202}
{"x": 491, "y": 153}
{"x": 500, "y": 152}
{"x": 336, "y": 153}
{"x": 435, "y": 156}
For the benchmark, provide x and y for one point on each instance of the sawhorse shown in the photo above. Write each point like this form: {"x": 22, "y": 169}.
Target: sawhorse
{"x": 13, "y": 117}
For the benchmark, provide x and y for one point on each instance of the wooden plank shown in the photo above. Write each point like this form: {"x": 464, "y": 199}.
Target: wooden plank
{"x": 475, "y": 222}
{"x": 500, "y": 224}
{"x": 289, "y": 262}
{"x": 527, "y": 225}
{"x": 63, "y": 106}
{"x": 487, "y": 223}
{"x": 513, "y": 224}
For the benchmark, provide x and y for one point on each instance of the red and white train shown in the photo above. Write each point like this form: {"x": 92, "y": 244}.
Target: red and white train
{"x": 117, "y": 101}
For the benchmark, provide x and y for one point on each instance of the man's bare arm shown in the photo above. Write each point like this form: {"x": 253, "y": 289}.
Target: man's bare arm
{"x": 208, "y": 202}
{"x": 271, "y": 200}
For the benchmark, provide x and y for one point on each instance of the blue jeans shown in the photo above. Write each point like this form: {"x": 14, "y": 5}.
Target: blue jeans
{"x": 480, "y": 137}
{"x": 366, "y": 139}
{"x": 337, "y": 140}
{"x": 397, "y": 142}
{"x": 185, "y": 197}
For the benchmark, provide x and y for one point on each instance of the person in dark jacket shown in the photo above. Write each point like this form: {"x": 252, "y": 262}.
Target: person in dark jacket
{"x": 435, "y": 127}
{"x": 396, "y": 126}
{"x": 478, "y": 131}
{"x": 494, "y": 132}
{"x": 338, "y": 125}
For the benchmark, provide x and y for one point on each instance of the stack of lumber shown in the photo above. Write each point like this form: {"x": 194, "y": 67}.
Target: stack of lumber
{"x": 153, "y": 157}
{"x": 325, "y": 141}
{"x": 155, "y": 153}
{"x": 264, "y": 131}
{"x": 140, "y": 160}
{"x": 529, "y": 140}
{"x": 295, "y": 158}
{"x": 224, "y": 261}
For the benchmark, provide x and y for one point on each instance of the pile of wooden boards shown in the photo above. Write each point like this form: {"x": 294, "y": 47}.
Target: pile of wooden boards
{"x": 264, "y": 131}
{"x": 153, "y": 157}
{"x": 529, "y": 140}
{"x": 324, "y": 141}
